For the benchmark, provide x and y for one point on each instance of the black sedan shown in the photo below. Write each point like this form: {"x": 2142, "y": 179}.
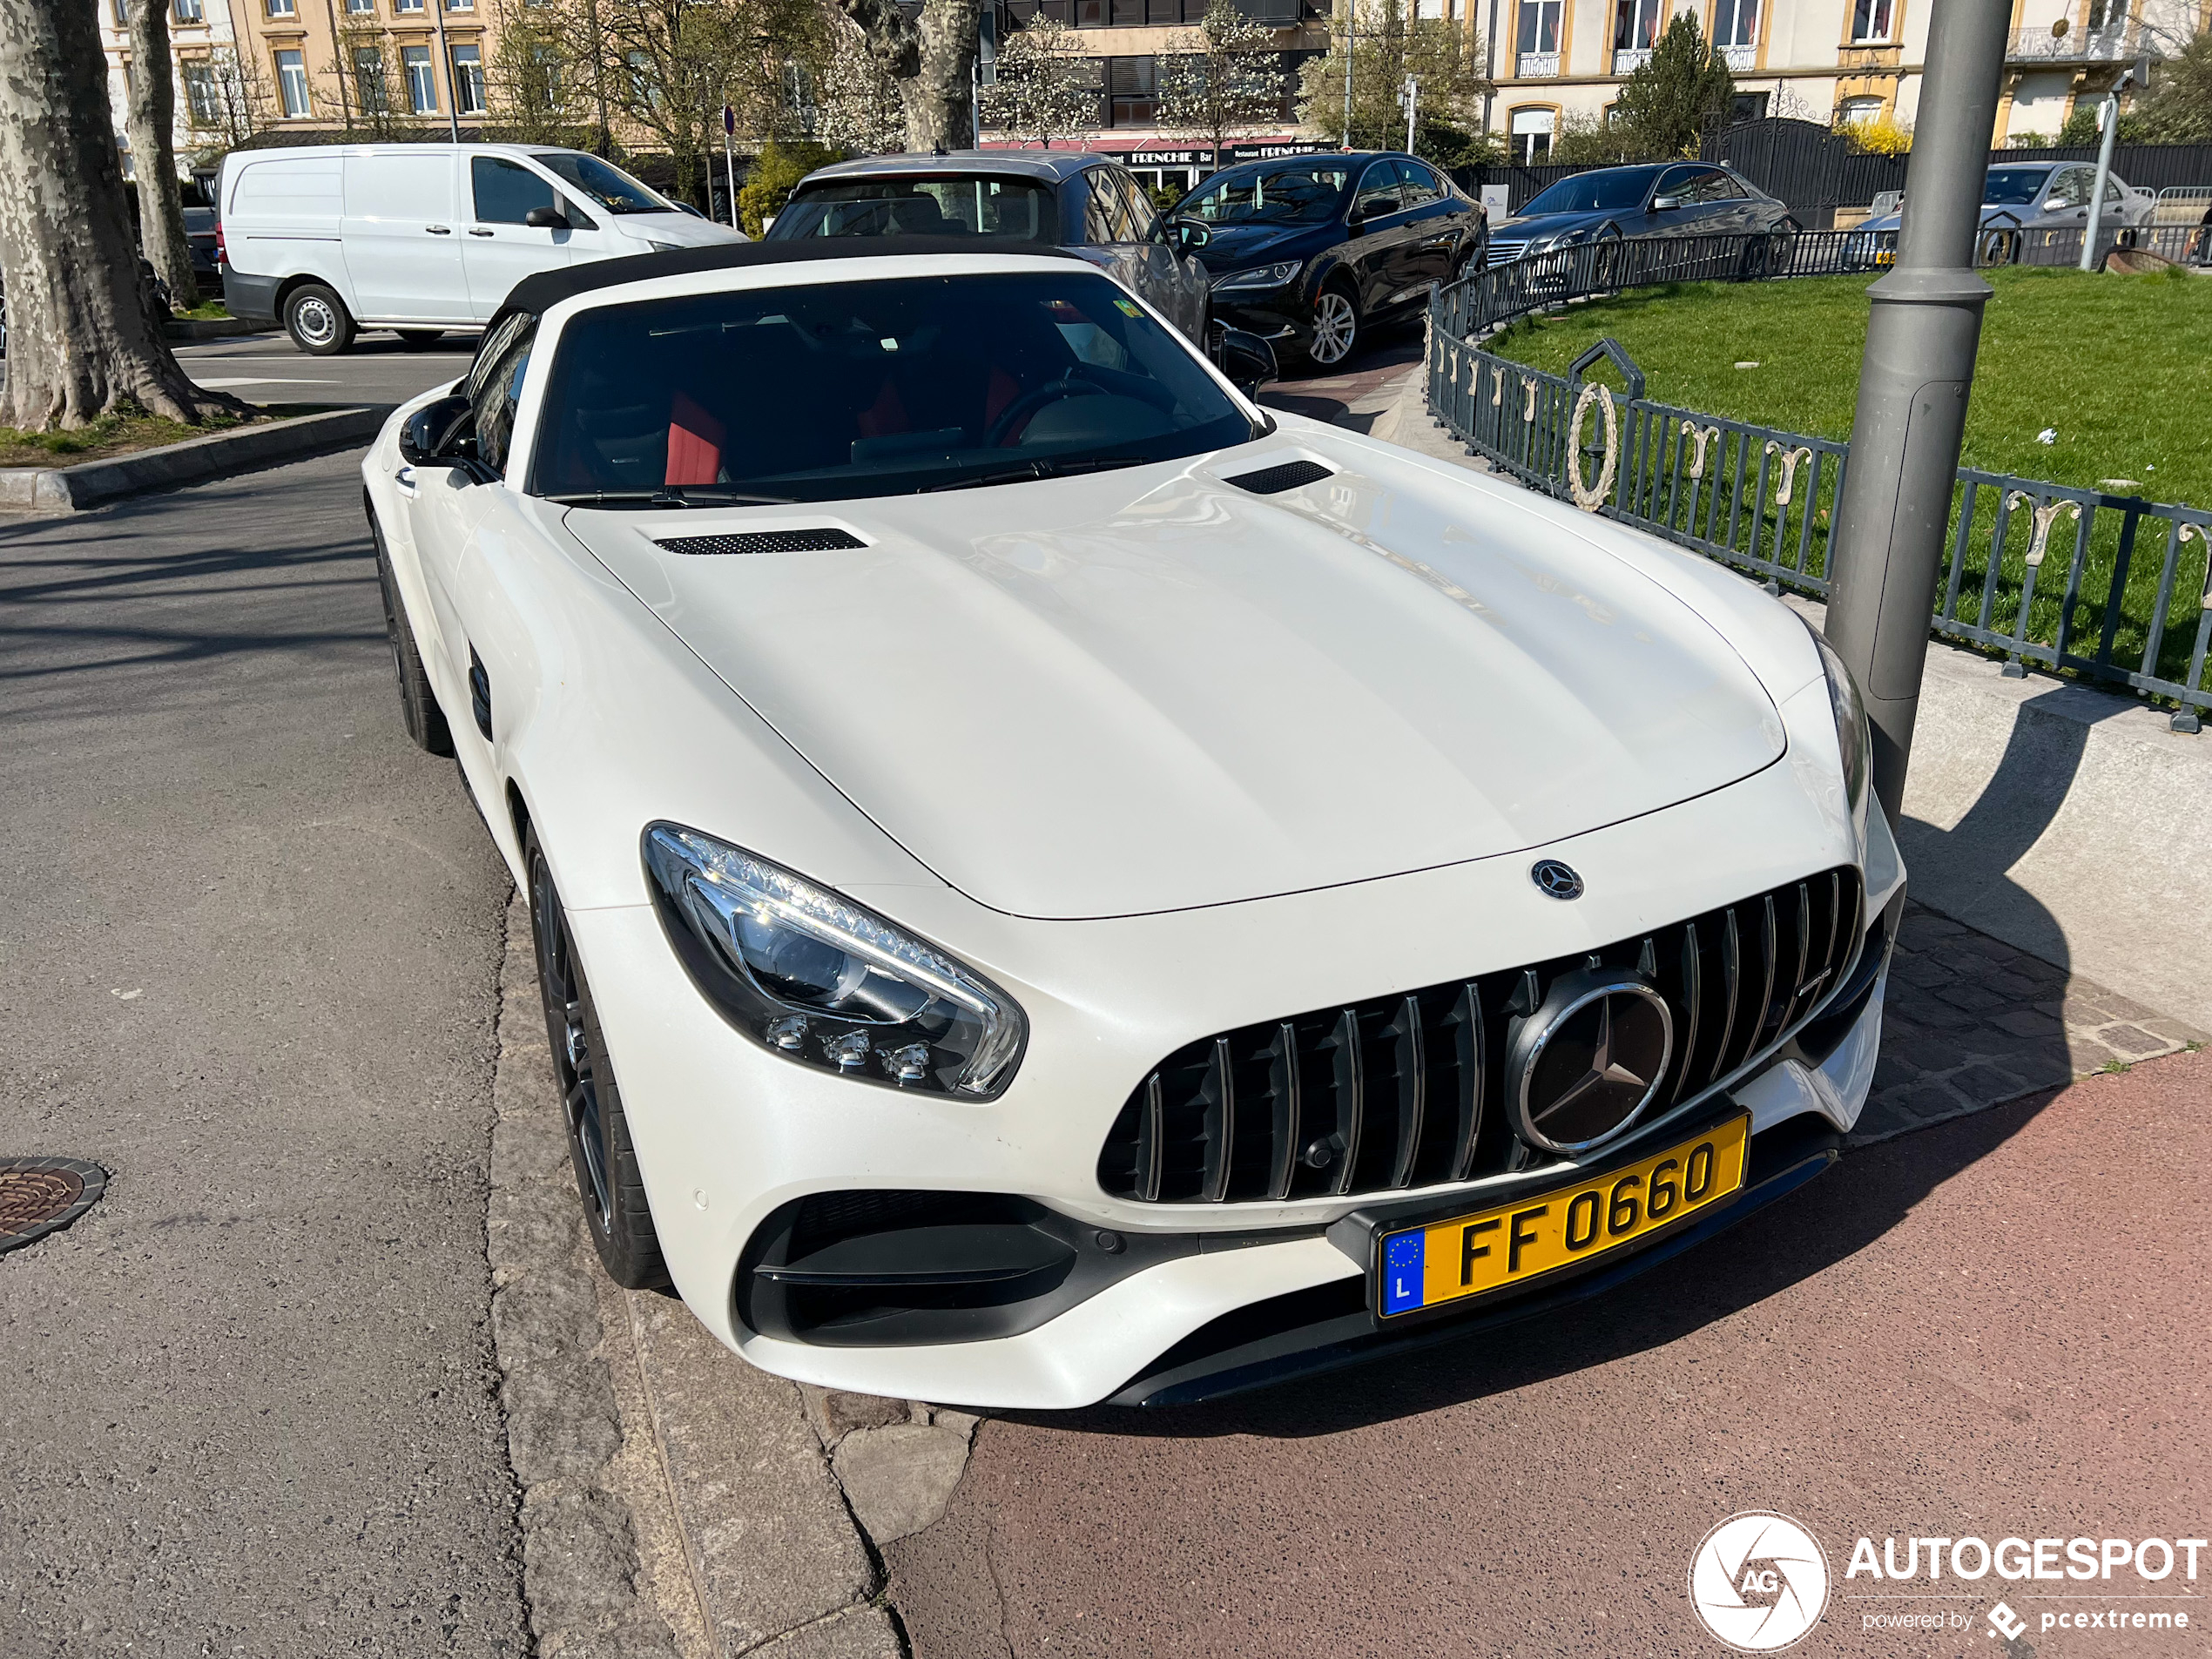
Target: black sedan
{"x": 199, "y": 231}
{"x": 1664, "y": 199}
{"x": 1309, "y": 252}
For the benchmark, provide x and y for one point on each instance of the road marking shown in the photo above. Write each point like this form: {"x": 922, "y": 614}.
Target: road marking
{"x": 258, "y": 380}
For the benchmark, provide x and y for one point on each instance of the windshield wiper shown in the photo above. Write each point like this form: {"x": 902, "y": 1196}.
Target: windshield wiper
{"x": 1041, "y": 469}
{"x": 672, "y": 495}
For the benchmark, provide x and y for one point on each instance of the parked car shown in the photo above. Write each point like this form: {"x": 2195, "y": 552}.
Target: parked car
{"x": 2046, "y": 195}
{"x": 1052, "y": 882}
{"x": 1309, "y": 252}
{"x": 199, "y": 231}
{"x": 1664, "y": 199}
{"x": 1086, "y": 203}
{"x": 422, "y": 238}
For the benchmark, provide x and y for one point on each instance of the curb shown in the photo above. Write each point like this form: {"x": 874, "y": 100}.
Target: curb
{"x": 92, "y": 483}
{"x": 212, "y": 328}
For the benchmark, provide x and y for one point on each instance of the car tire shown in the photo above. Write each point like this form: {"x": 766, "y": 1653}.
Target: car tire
{"x": 426, "y": 721}
{"x": 1608, "y": 258}
{"x": 1336, "y": 325}
{"x": 317, "y": 321}
{"x": 419, "y": 339}
{"x": 616, "y": 1211}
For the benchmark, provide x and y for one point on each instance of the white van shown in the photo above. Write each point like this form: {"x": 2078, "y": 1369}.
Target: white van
{"x": 422, "y": 238}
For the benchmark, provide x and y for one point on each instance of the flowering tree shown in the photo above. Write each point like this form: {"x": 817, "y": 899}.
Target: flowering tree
{"x": 1225, "y": 77}
{"x": 1045, "y": 88}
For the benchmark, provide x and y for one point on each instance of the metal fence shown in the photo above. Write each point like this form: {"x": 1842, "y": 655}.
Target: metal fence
{"x": 2129, "y": 602}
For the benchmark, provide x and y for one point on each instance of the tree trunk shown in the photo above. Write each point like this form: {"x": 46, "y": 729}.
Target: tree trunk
{"x": 152, "y": 125}
{"x": 930, "y": 61}
{"x": 80, "y": 337}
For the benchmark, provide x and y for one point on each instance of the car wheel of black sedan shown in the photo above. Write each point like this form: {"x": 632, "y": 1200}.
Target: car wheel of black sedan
{"x": 615, "y": 1206}
{"x": 1607, "y": 262}
{"x": 1336, "y": 326}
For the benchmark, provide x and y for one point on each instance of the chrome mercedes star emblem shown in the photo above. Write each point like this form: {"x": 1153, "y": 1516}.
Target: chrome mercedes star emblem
{"x": 1555, "y": 880}
{"x": 1605, "y": 1070}
{"x": 1581, "y": 1068}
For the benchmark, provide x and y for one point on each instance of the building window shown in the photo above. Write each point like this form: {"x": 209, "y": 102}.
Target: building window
{"x": 203, "y": 103}
{"x": 122, "y": 14}
{"x": 461, "y": 5}
{"x": 1736, "y": 22}
{"x": 1134, "y": 92}
{"x": 1747, "y": 106}
{"x": 407, "y": 5}
{"x": 1539, "y": 26}
{"x": 1429, "y": 9}
{"x": 1635, "y": 25}
{"x": 421, "y": 84}
{"x": 292, "y": 83}
{"x": 361, "y": 8}
{"x": 1853, "y": 110}
{"x": 368, "y": 80}
{"x": 1869, "y": 20}
{"x": 187, "y": 11}
{"x": 468, "y": 80}
{"x": 1530, "y": 132}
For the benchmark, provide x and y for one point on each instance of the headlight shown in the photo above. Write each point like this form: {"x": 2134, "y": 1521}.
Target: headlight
{"x": 1564, "y": 238}
{"x": 814, "y": 977}
{"x": 1853, "y": 736}
{"x": 1264, "y": 276}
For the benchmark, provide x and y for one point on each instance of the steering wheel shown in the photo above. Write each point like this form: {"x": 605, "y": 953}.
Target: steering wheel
{"x": 998, "y": 435}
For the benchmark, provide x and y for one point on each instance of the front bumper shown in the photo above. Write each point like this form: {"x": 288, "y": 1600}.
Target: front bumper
{"x": 1279, "y": 316}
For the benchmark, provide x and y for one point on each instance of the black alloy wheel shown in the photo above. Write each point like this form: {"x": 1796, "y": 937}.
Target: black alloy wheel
{"x": 426, "y": 721}
{"x": 607, "y": 1178}
{"x": 1607, "y": 262}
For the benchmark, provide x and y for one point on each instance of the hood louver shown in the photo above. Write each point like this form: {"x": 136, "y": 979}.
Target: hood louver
{"x": 1273, "y": 481}
{"x": 815, "y": 541}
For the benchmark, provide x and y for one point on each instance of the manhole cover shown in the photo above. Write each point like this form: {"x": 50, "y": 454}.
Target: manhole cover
{"x": 39, "y": 1196}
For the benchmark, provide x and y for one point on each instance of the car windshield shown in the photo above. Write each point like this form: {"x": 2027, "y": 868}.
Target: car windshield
{"x": 2014, "y": 187}
{"x": 1306, "y": 194}
{"x": 1610, "y": 192}
{"x": 609, "y": 186}
{"x": 869, "y": 387}
{"x": 904, "y": 205}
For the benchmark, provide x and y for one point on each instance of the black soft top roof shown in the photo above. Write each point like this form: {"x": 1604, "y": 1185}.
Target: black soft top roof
{"x": 548, "y": 288}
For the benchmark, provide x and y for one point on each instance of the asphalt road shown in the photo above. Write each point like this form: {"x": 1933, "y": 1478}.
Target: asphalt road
{"x": 248, "y": 940}
{"x": 268, "y": 368}
{"x": 1995, "y": 1327}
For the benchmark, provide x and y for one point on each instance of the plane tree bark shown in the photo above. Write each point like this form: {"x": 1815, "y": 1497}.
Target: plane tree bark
{"x": 152, "y": 126}
{"x": 81, "y": 335}
{"x": 931, "y": 58}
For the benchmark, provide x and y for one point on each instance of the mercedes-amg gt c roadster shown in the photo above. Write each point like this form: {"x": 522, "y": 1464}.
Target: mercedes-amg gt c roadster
{"x": 1054, "y": 884}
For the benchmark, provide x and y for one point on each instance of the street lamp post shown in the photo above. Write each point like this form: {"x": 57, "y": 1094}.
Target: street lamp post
{"x": 2108, "y": 119}
{"x": 1920, "y": 361}
{"x": 1409, "y": 98}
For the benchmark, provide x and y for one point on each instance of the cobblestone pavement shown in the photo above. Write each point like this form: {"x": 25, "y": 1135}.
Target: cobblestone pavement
{"x": 1971, "y": 1023}
{"x": 1356, "y": 393}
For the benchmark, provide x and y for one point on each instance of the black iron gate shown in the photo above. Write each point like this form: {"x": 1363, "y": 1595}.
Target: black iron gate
{"x": 1800, "y": 162}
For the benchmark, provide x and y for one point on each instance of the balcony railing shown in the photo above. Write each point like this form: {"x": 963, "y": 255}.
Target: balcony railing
{"x": 1536, "y": 65}
{"x": 1629, "y": 59}
{"x": 1740, "y": 59}
{"x": 2075, "y": 46}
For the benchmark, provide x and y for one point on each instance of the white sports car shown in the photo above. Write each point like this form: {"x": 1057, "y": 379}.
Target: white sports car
{"x": 1090, "y": 889}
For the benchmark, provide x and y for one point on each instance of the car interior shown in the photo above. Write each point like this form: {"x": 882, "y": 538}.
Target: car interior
{"x": 968, "y": 204}
{"x": 851, "y": 390}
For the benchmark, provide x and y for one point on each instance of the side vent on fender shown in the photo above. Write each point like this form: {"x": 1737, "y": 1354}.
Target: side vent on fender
{"x": 1273, "y": 481}
{"x": 814, "y": 541}
{"x": 480, "y": 693}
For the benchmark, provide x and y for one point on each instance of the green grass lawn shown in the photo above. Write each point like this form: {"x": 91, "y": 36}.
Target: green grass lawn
{"x": 2119, "y": 368}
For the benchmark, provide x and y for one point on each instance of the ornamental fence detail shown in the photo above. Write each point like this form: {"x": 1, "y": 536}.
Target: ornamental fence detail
{"x": 2110, "y": 587}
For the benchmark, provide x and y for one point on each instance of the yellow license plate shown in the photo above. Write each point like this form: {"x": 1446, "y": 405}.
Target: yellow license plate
{"x": 1444, "y": 1261}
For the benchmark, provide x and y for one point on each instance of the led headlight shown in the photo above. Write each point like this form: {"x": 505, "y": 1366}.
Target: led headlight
{"x": 1564, "y": 238}
{"x": 812, "y": 976}
{"x": 1260, "y": 276}
{"x": 1853, "y": 736}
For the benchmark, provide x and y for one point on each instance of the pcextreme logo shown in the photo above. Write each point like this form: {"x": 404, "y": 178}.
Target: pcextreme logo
{"x": 1759, "y": 1582}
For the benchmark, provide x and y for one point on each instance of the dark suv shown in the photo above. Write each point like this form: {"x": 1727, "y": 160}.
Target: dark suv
{"x": 1311, "y": 251}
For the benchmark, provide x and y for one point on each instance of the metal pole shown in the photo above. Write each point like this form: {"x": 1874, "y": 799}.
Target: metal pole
{"x": 453, "y": 92}
{"x": 2108, "y": 118}
{"x": 1913, "y": 384}
{"x": 729, "y": 160}
{"x": 1413, "y": 103}
{"x": 1351, "y": 40}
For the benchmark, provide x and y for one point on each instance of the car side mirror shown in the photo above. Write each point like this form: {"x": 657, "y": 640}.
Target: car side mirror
{"x": 440, "y": 434}
{"x": 1189, "y": 235}
{"x": 546, "y": 218}
{"x": 1247, "y": 360}
{"x": 1667, "y": 204}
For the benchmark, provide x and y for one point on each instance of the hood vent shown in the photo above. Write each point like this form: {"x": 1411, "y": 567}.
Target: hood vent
{"x": 813, "y": 541}
{"x": 1273, "y": 481}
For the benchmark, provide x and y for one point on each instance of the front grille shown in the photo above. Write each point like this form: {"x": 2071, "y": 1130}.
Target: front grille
{"x": 814, "y": 541}
{"x": 1273, "y": 481}
{"x": 1506, "y": 253}
{"x": 1408, "y": 1090}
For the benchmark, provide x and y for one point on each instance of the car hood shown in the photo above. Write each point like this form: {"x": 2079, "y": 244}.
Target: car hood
{"x": 1150, "y": 689}
{"x": 1517, "y": 230}
{"x": 1989, "y": 210}
{"x": 1233, "y": 247}
{"x": 681, "y": 230}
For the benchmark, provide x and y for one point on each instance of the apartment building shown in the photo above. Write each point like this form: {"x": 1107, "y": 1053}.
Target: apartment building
{"x": 201, "y": 40}
{"x": 341, "y": 64}
{"x": 1124, "y": 41}
{"x": 1822, "y": 60}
